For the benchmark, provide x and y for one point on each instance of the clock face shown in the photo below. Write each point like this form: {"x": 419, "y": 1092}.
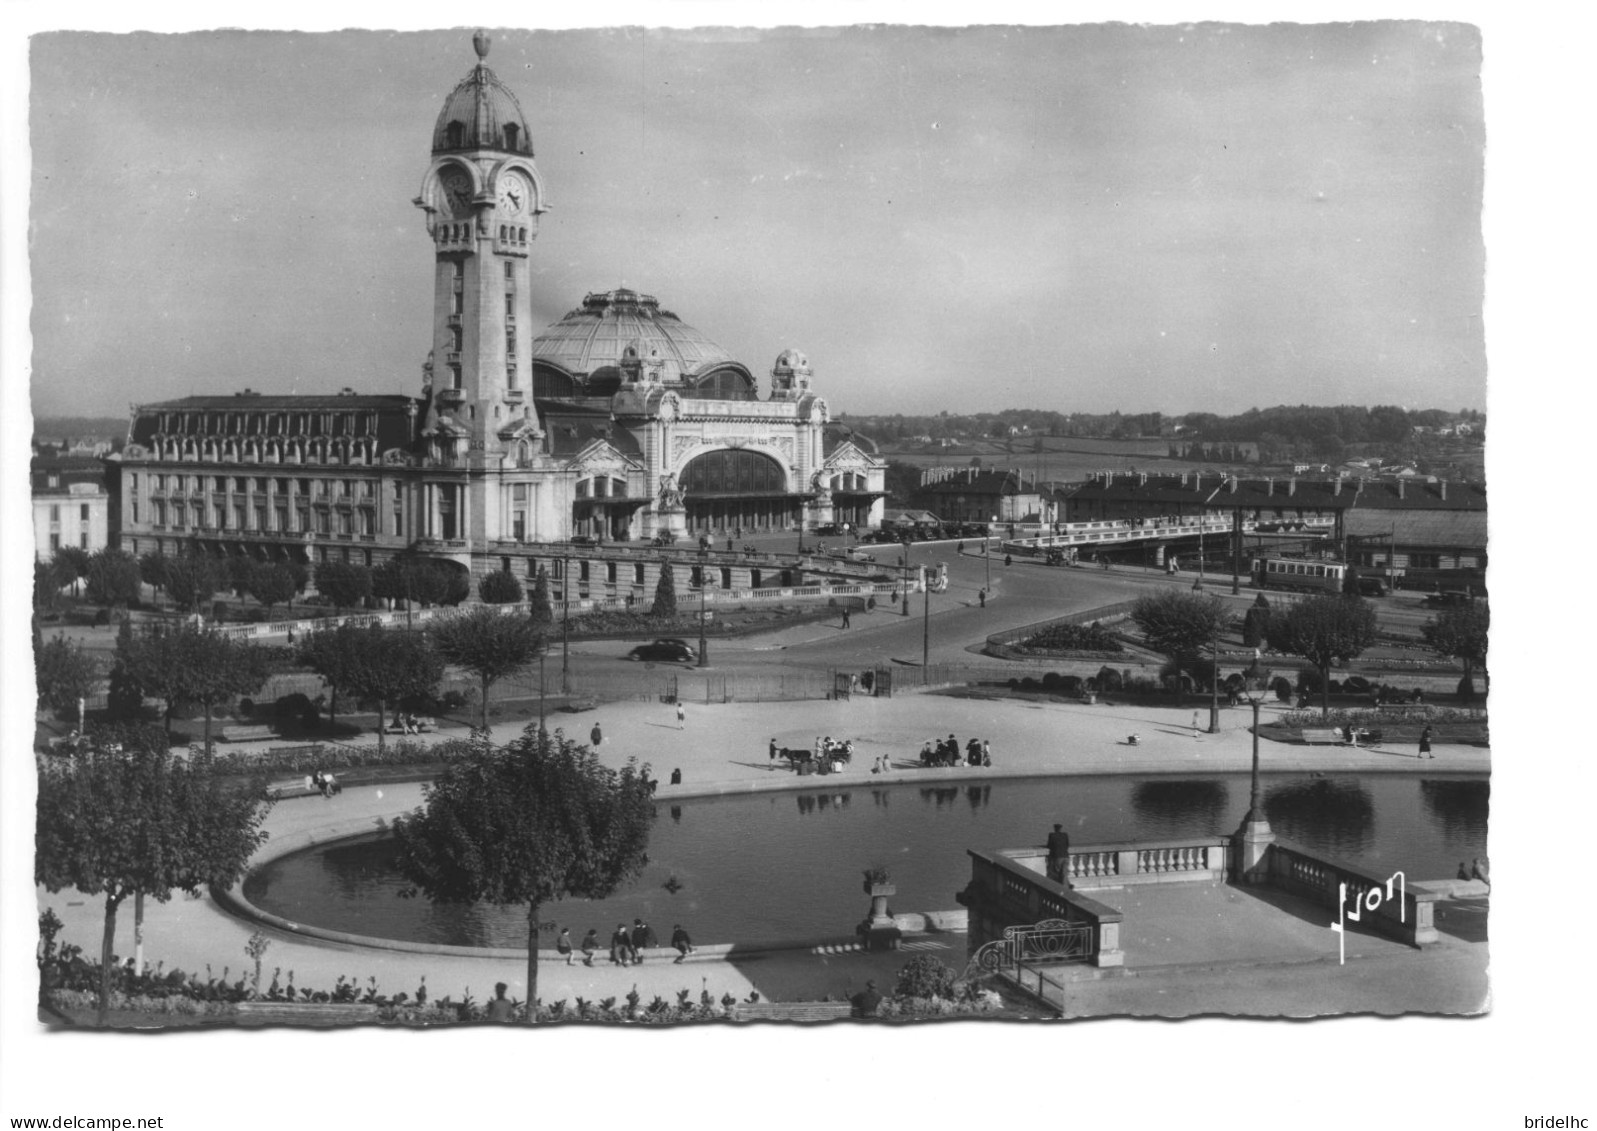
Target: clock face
{"x": 512, "y": 195}
{"x": 457, "y": 192}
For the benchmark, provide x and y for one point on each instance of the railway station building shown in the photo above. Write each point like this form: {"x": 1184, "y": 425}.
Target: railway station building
{"x": 620, "y": 423}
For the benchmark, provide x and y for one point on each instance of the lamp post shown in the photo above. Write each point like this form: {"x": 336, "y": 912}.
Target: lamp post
{"x": 1214, "y": 684}
{"x": 903, "y": 565}
{"x": 1254, "y": 837}
{"x": 565, "y": 625}
{"x": 926, "y": 630}
{"x": 542, "y": 729}
{"x": 704, "y": 646}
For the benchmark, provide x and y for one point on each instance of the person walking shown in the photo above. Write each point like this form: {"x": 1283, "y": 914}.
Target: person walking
{"x": 620, "y": 946}
{"x": 682, "y": 715}
{"x": 1425, "y": 743}
{"x": 596, "y": 735}
{"x": 1194, "y": 724}
{"x": 982, "y": 596}
{"x": 773, "y": 752}
{"x": 563, "y": 944}
{"x": 845, "y": 618}
{"x": 590, "y": 946}
{"x": 684, "y": 944}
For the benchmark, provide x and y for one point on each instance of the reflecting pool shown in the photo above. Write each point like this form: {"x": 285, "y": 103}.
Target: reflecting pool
{"x": 778, "y": 866}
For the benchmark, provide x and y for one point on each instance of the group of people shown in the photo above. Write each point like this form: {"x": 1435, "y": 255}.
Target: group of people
{"x": 627, "y": 944}
{"x": 405, "y": 723}
{"x": 945, "y": 752}
{"x": 323, "y": 783}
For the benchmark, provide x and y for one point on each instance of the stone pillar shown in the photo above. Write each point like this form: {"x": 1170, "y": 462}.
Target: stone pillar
{"x": 1108, "y": 948}
{"x": 878, "y": 931}
{"x": 1253, "y": 841}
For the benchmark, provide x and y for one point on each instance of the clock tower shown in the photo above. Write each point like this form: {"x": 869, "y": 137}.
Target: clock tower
{"x": 482, "y": 197}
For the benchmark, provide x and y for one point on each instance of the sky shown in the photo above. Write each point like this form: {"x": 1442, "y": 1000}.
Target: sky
{"x": 1178, "y": 218}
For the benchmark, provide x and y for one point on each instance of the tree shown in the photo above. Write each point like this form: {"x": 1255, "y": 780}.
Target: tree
{"x": 126, "y": 697}
{"x": 534, "y": 822}
{"x": 1256, "y": 622}
{"x": 238, "y": 571}
{"x": 122, "y": 818}
{"x": 46, "y": 587}
{"x": 500, "y": 588}
{"x": 152, "y": 570}
{"x": 190, "y": 581}
{"x": 335, "y": 655}
{"x": 541, "y": 611}
{"x": 186, "y": 663}
{"x": 489, "y": 644}
{"x": 389, "y": 666}
{"x": 1181, "y": 625}
{"x": 1461, "y": 632}
{"x": 1323, "y": 629}
{"x": 63, "y": 674}
{"x": 113, "y": 577}
{"x": 665, "y": 593}
{"x": 72, "y": 565}
{"x": 272, "y": 584}
{"x": 346, "y": 583}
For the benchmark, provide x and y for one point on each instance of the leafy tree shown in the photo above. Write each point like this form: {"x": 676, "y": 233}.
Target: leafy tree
{"x": 72, "y": 565}
{"x": 534, "y": 822}
{"x": 152, "y": 570}
{"x": 500, "y": 588}
{"x": 411, "y": 579}
{"x": 1256, "y": 622}
{"x": 186, "y": 663}
{"x": 1461, "y": 632}
{"x": 542, "y": 611}
{"x": 457, "y": 584}
{"x": 126, "y": 698}
{"x": 272, "y": 584}
{"x": 122, "y": 818}
{"x": 1181, "y": 625}
{"x": 346, "y": 583}
{"x": 489, "y": 644}
{"x": 190, "y": 581}
{"x": 239, "y": 571}
{"x": 113, "y": 577}
{"x": 389, "y": 666}
{"x": 1323, "y": 629}
{"x": 665, "y": 593}
{"x": 64, "y": 673}
{"x": 47, "y": 585}
{"x": 336, "y": 655}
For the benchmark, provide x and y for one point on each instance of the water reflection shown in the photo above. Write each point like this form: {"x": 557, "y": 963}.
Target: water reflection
{"x": 1174, "y": 807}
{"x": 1459, "y": 807}
{"x": 1336, "y": 811}
{"x": 676, "y": 814}
{"x": 940, "y": 795}
{"x": 813, "y": 803}
{"x": 977, "y": 795}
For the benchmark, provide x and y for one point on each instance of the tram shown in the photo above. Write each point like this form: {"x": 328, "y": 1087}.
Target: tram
{"x": 1299, "y": 573}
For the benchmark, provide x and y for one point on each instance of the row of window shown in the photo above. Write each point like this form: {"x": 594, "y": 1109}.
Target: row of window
{"x": 160, "y": 481}
{"x": 363, "y": 450}
{"x": 55, "y": 513}
{"x": 321, "y": 423}
{"x": 262, "y": 519}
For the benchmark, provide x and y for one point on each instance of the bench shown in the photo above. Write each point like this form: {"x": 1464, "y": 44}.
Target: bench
{"x": 305, "y": 1013}
{"x": 804, "y": 1011}
{"x": 246, "y": 733}
{"x": 1329, "y": 735}
{"x": 580, "y": 703}
{"x": 423, "y": 726}
{"x": 292, "y": 787}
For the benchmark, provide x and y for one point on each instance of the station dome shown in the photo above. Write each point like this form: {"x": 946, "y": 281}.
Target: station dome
{"x": 590, "y": 343}
{"x": 481, "y": 113}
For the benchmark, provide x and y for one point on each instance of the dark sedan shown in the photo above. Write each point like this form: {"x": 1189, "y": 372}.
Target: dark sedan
{"x": 664, "y": 651}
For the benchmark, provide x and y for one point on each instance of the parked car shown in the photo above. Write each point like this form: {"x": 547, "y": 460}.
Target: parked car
{"x": 1447, "y": 599}
{"x": 1372, "y": 587}
{"x": 850, "y": 553}
{"x": 583, "y": 540}
{"x": 664, "y": 651}
{"x": 829, "y": 530}
{"x": 882, "y": 536}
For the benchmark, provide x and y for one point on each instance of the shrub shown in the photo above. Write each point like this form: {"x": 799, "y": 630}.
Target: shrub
{"x": 1356, "y": 684}
{"x": 1074, "y": 638}
{"x": 1282, "y": 688}
{"x": 925, "y": 976}
{"x": 1466, "y": 690}
{"x": 1109, "y": 679}
{"x": 1309, "y": 681}
{"x": 499, "y": 588}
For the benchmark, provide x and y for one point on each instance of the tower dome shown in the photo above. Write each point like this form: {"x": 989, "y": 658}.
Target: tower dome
{"x": 481, "y": 113}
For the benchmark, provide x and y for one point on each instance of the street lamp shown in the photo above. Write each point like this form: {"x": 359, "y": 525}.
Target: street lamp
{"x": 1214, "y": 684}
{"x": 926, "y": 631}
{"x": 544, "y": 652}
{"x": 704, "y": 646}
{"x": 565, "y": 625}
{"x": 903, "y": 565}
{"x": 1254, "y": 837}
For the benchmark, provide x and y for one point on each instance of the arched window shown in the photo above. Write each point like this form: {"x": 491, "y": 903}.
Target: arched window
{"x": 512, "y": 136}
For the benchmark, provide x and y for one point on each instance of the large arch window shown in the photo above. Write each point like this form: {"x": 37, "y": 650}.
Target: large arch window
{"x": 733, "y": 472}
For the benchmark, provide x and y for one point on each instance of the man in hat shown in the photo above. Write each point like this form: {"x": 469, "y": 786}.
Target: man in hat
{"x": 1059, "y": 855}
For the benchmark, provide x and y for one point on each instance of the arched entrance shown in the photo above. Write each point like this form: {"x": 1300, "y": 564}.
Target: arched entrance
{"x": 736, "y": 489}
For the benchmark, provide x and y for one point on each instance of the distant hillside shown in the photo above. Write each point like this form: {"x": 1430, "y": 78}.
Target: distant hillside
{"x": 75, "y": 427}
